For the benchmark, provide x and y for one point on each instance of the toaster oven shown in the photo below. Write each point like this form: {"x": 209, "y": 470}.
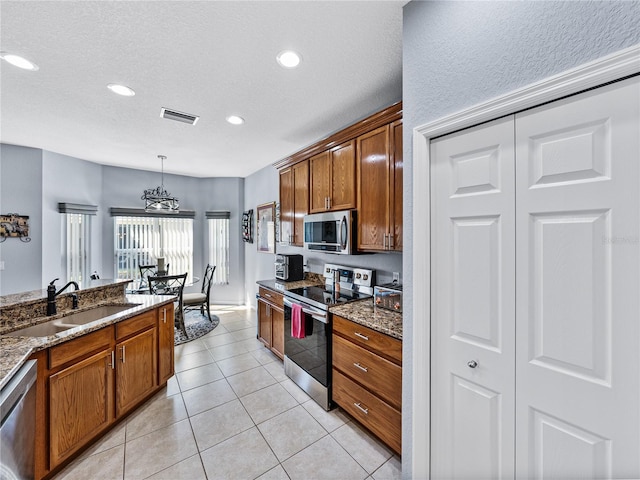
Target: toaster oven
{"x": 388, "y": 296}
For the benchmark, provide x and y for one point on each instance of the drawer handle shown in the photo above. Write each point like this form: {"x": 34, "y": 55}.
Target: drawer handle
{"x": 358, "y": 334}
{"x": 361, "y": 408}
{"x": 267, "y": 295}
{"x": 364, "y": 369}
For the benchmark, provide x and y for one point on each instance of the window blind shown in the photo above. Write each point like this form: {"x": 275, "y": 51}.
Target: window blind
{"x": 219, "y": 249}
{"x": 142, "y": 240}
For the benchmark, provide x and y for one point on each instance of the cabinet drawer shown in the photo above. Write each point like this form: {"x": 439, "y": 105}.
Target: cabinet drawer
{"x": 380, "y": 343}
{"x": 379, "y": 417}
{"x": 76, "y": 349}
{"x": 136, "y": 324}
{"x": 380, "y": 376}
{"x": 271, "y": 296}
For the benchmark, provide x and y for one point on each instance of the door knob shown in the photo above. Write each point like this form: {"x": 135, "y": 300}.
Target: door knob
{"x": 472, "y": 364}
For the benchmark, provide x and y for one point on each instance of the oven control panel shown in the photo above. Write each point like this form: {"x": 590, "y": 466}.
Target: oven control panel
{"x": 351, "y": 278}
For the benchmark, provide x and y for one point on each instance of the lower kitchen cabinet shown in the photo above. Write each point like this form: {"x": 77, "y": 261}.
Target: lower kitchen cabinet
{"x": 271, "y": 320}
{"x": 135, "y": 370}
{"x": 165, "y": 343}
{"x": 81, "y": 404}
{"x": 88, "y": 383}
{"x": 367, "y": 378}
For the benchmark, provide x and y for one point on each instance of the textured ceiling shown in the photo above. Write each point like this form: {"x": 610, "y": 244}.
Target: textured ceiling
{"x": 207, "y": 58}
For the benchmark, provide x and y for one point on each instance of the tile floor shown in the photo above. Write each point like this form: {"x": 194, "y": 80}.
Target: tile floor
{"x": 231, "y": 413}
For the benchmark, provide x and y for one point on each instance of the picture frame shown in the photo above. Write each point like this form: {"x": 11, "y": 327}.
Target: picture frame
{"x": 265, "y": 227}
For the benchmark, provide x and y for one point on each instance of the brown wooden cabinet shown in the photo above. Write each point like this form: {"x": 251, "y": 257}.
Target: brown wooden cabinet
{"x": 294, "y": 202}
{"x": 165, "y": 343}
{"x": 271, "y": 320}
{"x": 379, "y": 168}
{"x": 88, "y": 383}
{"x": 367, "y": 378}
{"x": 333, "y": 179}
{"x": 81, "y": 402}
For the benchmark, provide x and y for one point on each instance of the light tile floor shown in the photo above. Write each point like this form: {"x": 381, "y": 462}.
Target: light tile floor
{"x": 231, "y": 413}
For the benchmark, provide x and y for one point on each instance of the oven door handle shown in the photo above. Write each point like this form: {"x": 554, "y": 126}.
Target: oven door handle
{"x": 315, "y": 313}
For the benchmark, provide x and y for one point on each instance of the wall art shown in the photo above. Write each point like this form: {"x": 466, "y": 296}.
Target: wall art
{"x": 14, "y": 225}
{"x": 265, "y": 227}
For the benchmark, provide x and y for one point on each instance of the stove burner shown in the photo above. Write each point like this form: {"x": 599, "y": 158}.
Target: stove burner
{"x": 322, "y": 298}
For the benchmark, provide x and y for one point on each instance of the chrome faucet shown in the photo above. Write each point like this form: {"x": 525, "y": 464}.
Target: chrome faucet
{"x": 52, "y": 294}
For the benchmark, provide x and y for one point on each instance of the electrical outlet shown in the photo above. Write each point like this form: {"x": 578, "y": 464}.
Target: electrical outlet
{"x": 396, "y": 277}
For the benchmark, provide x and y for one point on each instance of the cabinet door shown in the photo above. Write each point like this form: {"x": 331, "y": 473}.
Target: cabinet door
{"x": 473, "y": 305}
{"x": 396, "y": 186}
{"x": 343, "y": 177}
{"x": 300, "y": 201}
{"x": 81, "y": 404}
{"x": 136, "y": 369}
{"x": 286, "y": 206}
{"x": 277, "y": 331}
{"x": 373, "y": 194}
{"x": 320, "y": 180}
{"x": 165, "y": 343}
{"x": 264, "y": 322}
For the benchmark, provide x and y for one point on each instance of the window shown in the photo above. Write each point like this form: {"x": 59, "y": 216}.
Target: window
{"x": 141, "y": 240}
{"x": 76, "y": 229}
{"x": 78, "y": 241}
{"x": 219, "y": 245}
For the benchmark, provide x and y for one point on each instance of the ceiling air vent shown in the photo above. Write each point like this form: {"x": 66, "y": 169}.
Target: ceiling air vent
{"x": 179, "y": 116}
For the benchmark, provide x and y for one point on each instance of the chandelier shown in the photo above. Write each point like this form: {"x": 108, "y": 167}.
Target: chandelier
{"x": 158, "y": 199}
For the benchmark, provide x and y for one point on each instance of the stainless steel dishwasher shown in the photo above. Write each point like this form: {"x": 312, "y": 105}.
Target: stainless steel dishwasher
{"x": 17, "y": 430}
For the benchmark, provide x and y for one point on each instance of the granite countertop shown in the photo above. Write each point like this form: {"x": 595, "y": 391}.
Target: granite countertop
{"x": 364, "y": 313}
{"x": 309, "y": 281}
{"x": 15, "y": 351}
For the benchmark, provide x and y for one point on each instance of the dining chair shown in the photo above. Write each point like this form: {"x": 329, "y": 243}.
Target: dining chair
{"x": 145, "y": 271}
{"x": 200, "y": 300}
{"x": 171, "y": 285}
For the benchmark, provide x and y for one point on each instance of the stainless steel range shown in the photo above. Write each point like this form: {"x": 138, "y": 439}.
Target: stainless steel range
{"x": 307, "y": 361}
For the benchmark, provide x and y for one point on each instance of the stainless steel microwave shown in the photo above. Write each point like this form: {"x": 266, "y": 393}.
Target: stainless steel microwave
{"x": 330, "y": 232}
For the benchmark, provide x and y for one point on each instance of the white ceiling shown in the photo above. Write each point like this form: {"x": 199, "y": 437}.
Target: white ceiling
{"x": 207, "y": 58}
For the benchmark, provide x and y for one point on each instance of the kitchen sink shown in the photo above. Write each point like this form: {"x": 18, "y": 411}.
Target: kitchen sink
{"x": 97, "y": 313}
{"x": 70, "y": 321}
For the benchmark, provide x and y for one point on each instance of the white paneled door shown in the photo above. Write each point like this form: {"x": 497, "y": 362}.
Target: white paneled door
{"x": 473, "y": 303}
{"x": 578, "y": 286}
{"x": 536, "y": 292}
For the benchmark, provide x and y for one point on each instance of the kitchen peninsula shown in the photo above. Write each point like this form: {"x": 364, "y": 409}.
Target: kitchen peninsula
{"x": 92, "y": 373}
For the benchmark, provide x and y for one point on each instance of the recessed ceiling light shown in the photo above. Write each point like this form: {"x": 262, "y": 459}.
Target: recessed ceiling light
{"x": 289, "y": 59}
{"x": 121, "y": 90}
{"x": 18, "y": 61}
{"x": 235, "y": 120}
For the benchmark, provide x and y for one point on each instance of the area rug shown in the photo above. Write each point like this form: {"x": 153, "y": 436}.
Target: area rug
{"x": 197, "y": 325}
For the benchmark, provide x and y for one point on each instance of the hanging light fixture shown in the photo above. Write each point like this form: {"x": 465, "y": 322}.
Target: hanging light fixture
{"x": 158, "y": 199}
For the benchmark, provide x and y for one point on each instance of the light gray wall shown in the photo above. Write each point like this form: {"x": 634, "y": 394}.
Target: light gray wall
{"x": 458, "y": 54}
{"x": 21, "y": 192}
{"x": 261, "y": 187}
{"x": 70, "y": 180}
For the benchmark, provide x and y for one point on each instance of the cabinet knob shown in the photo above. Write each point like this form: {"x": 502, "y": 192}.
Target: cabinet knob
{"x": 472, "y": 364}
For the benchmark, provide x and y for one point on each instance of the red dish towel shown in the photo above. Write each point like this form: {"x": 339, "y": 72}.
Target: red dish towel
{"x": 297, "y": 321}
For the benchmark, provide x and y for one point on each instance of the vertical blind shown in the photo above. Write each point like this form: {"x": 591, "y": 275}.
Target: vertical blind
{"x": 76, "y": 227}
{"x": 219, "y": 246}
{"x": 78, "y": 233}
{"x": 142, "y": 240}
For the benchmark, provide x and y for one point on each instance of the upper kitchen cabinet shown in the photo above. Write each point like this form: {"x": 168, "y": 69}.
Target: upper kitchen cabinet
{"x": 333, "y": 179}
{"x": 379, "y": 168}
{"x": 358, "y": 167}
{"x": 294, "y": 202}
